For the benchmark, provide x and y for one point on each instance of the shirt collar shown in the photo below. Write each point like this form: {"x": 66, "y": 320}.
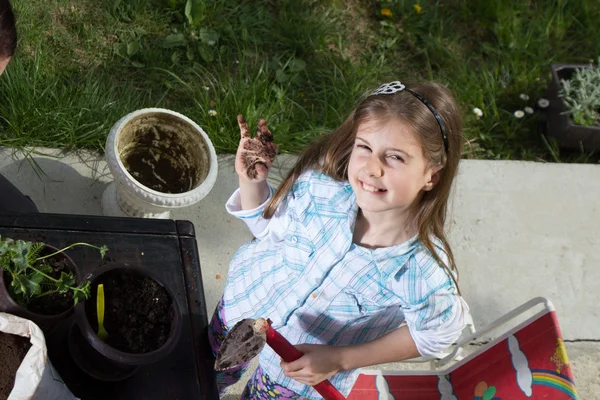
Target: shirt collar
{"x": 344, "y": 200}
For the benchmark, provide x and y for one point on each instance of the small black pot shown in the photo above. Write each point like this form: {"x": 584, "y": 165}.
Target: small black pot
{"x": 45, "y": 322}
{"x": 93, "y": 363}
{"x": 114, "y": 356}
{"x": 559, "y": 124}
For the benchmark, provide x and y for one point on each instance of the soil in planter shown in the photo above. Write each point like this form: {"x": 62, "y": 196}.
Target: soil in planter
{"x": 138, "y": 312}
{"x": 13, "y": 349}
{"x": 155, "y": 161}
{"x": 55, "y": 303}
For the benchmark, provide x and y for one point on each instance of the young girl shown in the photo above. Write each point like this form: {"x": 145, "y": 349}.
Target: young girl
{"x": 350, "y": 246}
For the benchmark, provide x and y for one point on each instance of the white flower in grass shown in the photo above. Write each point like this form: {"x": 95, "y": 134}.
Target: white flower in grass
{"x": 212, "y": 113}
{"x": 206, "y": 88}
{"x": 478, "y": 112}
{"x": 528, "y": 110}
{"x": 543, "y": 103}
{"x": 519, "y": 114}
{"x": 523, "y": 96}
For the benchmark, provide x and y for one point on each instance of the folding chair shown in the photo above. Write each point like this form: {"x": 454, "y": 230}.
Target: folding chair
{"x": 528, "y": 361}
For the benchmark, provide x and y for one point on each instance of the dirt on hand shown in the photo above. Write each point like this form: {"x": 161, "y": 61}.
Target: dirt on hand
{"x": 257, "y": 150}
{"x": 13, "y": 349}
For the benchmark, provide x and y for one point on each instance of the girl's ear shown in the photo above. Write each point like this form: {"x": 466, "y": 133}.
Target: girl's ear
{"x": 433, "y": 174}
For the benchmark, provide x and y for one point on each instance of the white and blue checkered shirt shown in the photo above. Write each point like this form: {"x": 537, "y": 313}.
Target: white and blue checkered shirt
{"x": 304, "y": 273}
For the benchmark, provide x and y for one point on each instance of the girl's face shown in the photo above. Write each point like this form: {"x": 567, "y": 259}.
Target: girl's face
{"x": 387, "y": 168}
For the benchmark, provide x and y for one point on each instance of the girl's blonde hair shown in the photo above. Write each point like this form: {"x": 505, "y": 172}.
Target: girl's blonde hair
{"x": 330, "y": 154}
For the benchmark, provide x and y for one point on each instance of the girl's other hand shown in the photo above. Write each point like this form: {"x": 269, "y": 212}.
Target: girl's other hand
{"x": 318, "y": 363}
{"x": 255, "y": 155}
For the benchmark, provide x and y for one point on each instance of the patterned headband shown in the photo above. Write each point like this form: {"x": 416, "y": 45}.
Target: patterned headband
{"x": 397, "y": 86}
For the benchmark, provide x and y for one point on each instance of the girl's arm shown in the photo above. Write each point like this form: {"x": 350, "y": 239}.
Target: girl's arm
{"x": 253, "y": 194}
{"x": 432, "y": 325}
{"x": 253, "y": 160}
{"x": 397, "y": 345}
{"x": 321, "y": 362}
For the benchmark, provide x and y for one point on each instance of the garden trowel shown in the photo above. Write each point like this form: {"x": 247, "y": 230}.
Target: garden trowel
{"x": 247, "y": 339}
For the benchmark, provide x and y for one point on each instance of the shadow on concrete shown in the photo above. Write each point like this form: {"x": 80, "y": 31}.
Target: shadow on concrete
{"x": 55, "y": 186}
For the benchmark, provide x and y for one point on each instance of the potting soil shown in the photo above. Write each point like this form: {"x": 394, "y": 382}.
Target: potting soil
{"x": 13, "y": 349}
{"x": 154, "y": 161}
{"x": 138, "y": 312}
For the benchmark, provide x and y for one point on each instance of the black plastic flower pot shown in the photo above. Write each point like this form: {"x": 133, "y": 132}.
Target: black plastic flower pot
{"x": 142, "y": 318}
{"x": 94, "y": 364}
{"x": 559, "y": 124}
{"x": 42, "y": 316}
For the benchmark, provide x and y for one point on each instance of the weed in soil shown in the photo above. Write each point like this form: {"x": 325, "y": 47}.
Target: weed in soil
{"x": 13, "y": 349}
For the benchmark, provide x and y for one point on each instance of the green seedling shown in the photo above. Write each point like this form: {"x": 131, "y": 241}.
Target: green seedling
{"x": 31, "y": 275}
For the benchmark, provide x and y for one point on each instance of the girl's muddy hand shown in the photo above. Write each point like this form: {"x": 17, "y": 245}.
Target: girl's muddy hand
{"x": 255, "y": 155}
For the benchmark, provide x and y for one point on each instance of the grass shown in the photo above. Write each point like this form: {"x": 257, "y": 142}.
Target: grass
{"x": 301, "y": 64}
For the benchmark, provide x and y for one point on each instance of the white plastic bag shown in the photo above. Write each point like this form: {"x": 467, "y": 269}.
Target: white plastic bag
{"x": 36, "y": 378}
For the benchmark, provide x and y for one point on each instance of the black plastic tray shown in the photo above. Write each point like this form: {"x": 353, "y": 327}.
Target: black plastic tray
{"x": 166, "y": 247}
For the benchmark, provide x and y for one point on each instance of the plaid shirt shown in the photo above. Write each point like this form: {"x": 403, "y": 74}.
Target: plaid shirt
{"x": 304, "y": 273}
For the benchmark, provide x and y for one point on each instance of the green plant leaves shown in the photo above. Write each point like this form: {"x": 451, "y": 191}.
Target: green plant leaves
{"x": 64, "y": 283}
{"x": 5, "y": 245}
{"x": 19, "y": 259}
{"x": 127, "y": 51}
{"x": 207, "y": 39}
{"x": 133, "y": 48}
{"x": 206, "y": 53}
{"x": 281, "y": 76}
{"x": 194, "y": 9}
{"x": 19, "y": 284}
{"x": 297, "y": 65}
{"x": 289, "y": 70}
{"x": 174, "y": 40}
{"x": 35, "y": 251}
{"x": 581, "y": 95}
{"x": 103, "y": 250}
{"x": 32, "y": 277}
{"x": 33, "y": 284}
{"x": 82, "y": 292}
{"x": 121, "y": 49}
{"x": 208, "y": 36}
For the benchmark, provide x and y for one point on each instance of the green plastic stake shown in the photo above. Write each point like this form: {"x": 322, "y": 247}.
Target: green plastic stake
{"x": 102, "y": 334}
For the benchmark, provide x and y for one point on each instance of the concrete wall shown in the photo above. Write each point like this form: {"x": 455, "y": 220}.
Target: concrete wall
{"x": 524, "y": 229}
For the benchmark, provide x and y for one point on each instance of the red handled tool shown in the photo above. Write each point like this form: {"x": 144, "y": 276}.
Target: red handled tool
{"x": 246, "y": 340}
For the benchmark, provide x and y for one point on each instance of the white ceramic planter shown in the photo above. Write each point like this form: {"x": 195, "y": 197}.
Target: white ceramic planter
{"x": 160, "y": 160}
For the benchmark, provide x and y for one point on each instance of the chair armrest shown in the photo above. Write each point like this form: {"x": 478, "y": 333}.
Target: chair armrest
{"x": 497, "y": 323}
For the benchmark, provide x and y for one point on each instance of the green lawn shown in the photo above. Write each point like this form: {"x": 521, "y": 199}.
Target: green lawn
{"x": 83, "y": 64}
